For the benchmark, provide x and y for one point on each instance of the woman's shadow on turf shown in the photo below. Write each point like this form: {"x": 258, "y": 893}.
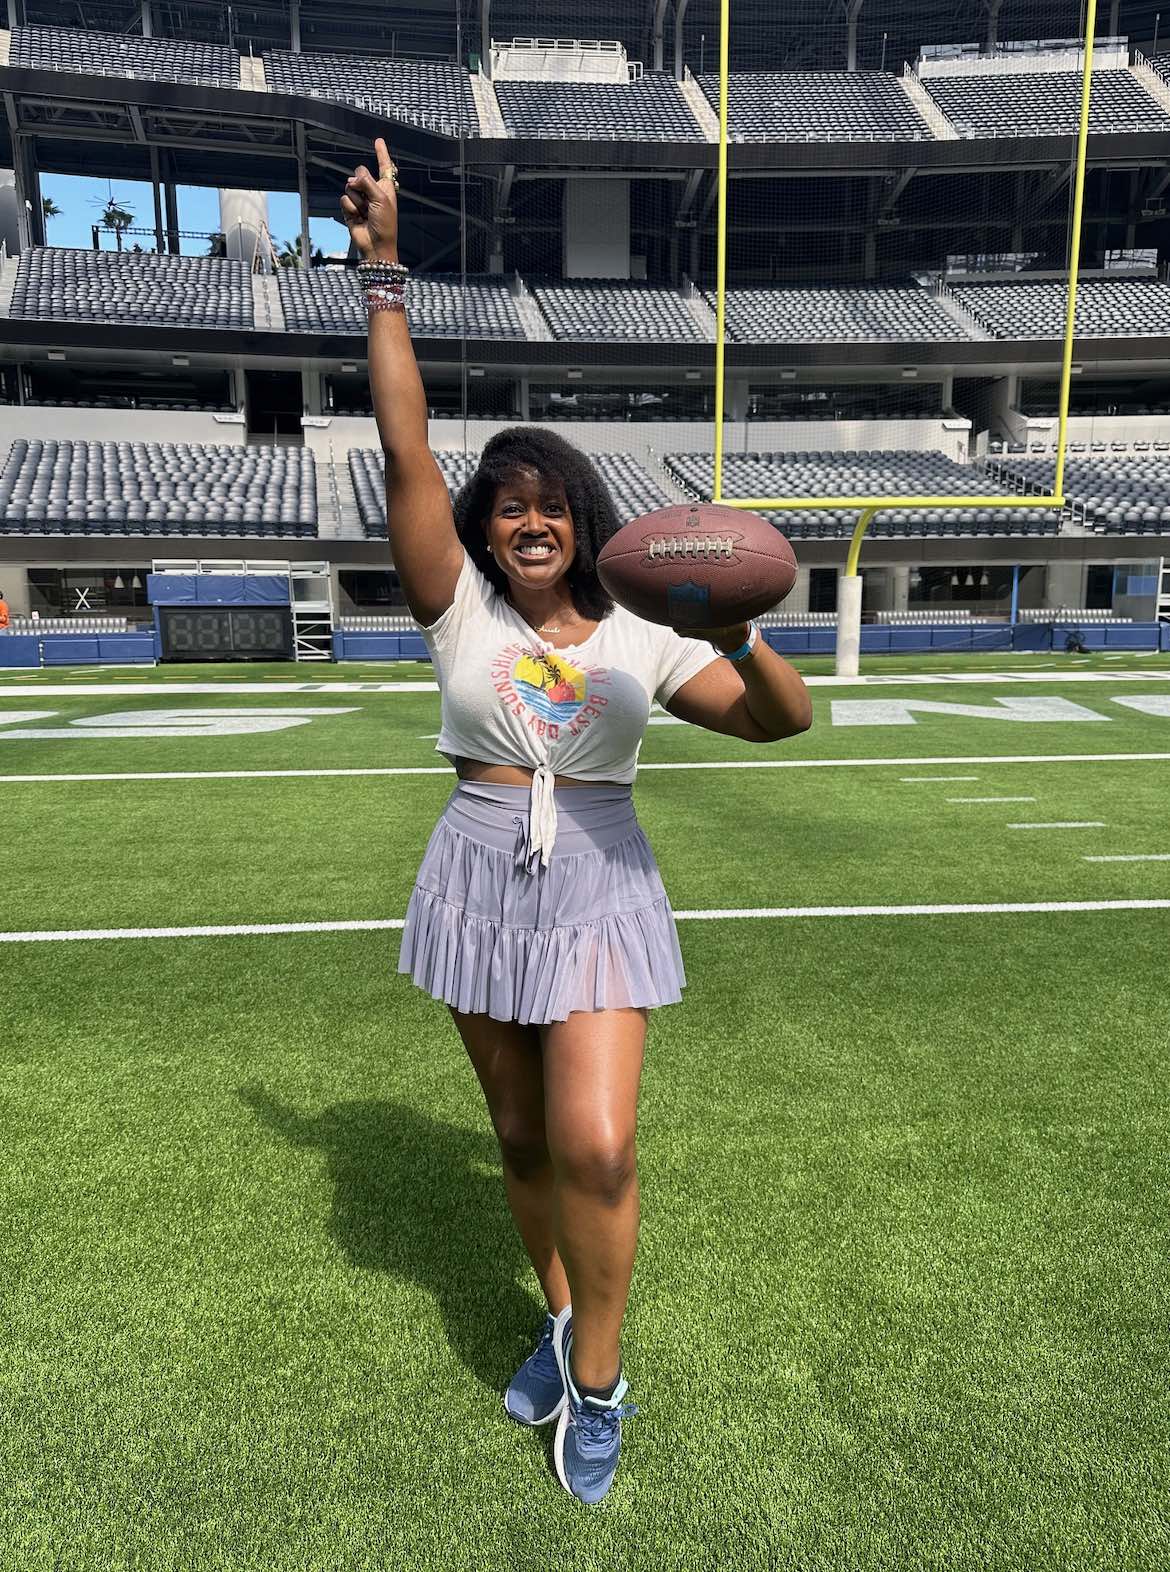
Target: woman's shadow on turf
{"x": 424, "y": 1200}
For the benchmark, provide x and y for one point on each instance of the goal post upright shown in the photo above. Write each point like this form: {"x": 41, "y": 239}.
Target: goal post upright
{"x": 849, "y": 589}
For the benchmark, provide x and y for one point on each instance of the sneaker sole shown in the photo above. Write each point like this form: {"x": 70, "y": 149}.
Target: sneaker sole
{"x": 535, "y": 1424}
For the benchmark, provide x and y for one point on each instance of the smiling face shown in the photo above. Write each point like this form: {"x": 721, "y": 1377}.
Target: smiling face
{"x": 530, "y": 531}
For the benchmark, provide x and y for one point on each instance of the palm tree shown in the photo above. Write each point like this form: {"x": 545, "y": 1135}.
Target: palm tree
{"x": 290, "y": 254}
{"x": 49, "y": 209}
{"x": 117, "y": 218}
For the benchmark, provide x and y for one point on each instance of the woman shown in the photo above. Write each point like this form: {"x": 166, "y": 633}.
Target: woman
{"x": 539, "y": 916}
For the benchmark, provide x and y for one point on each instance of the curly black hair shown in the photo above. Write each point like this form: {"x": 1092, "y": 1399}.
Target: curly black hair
{"x": 594, "y": 516}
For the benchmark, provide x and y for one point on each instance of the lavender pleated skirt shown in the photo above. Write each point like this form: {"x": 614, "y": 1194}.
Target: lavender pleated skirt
{"x": 593, "y": 930}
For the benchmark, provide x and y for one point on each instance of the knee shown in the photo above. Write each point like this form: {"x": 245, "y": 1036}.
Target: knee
{"x": 603, "y": 1166}
{"x": 523, "y": 1147}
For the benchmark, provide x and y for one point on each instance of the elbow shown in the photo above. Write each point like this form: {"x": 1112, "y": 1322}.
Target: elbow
{"x": 793, "y": 727}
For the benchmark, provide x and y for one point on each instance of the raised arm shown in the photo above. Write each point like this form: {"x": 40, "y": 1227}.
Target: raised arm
{"x": 425, "y": 548}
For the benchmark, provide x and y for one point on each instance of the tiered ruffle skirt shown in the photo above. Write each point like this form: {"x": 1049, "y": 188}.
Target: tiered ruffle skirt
{"x": 593, "y": 930}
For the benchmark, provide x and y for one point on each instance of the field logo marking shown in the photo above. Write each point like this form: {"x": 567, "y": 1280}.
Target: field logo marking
{"x": 1147, "y": 704}
{"x": 166, "y": 723}
{"x": 905, "y": 712}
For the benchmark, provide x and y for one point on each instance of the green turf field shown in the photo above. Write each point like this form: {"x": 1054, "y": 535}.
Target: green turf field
{"x": 901, "y": 1295}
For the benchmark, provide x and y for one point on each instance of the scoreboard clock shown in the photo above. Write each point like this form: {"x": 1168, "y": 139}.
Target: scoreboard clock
{"x": 226, "y": 632}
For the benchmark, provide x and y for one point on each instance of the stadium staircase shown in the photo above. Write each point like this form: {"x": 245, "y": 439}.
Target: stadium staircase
{"x": 927, "y": 108}
{"x": 971, "y": 327}
{"x": 487, "y": 106}
{"x": 269, "y": 314}
{"x": 337, "y": 510}
{"x": 532, "y": 318}
{"x": 252, "y": 77}
{"x": 1151, "y": 81}
{"x": 5, "y": 45}
{"x": 698, "y": 105}
{"x": 696, "y": 303}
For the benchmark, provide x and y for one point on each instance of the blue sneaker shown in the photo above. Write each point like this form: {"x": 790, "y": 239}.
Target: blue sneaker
{"x": 536, "y": 1394}
{"x": 588, "y": 1441}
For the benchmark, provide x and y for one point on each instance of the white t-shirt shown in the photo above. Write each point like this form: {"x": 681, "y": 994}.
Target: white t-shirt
{"x": 509, "y": 697}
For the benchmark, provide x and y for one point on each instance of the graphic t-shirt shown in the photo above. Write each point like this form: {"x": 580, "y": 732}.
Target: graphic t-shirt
{"x": 508, "y": 697}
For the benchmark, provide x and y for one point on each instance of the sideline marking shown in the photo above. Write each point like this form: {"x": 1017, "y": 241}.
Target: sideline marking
{"x": 1063, "y": 824}
{"x": 909, "y": 778}
{"x": 690, "y": 764}
{"x": 372, "y": 924}
{"x": 1132, "y": 857}
{"x": 991, "y": 799}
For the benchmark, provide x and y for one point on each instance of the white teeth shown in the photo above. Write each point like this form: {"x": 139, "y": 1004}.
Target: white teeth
{"x": 534, "y": 551}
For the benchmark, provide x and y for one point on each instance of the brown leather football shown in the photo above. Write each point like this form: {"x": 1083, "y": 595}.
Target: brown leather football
{"x": 697, "y": 565}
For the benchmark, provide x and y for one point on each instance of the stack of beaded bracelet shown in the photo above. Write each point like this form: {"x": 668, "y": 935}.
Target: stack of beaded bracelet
{"x": 383, "y": 285}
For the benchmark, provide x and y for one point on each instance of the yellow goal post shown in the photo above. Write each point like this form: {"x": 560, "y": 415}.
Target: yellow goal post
{"x": 868, "y": 506}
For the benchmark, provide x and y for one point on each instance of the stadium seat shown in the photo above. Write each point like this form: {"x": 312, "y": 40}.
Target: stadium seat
{"x": 816, "y": 106}
{"x": 823, "y": 474}
{"x": 63, "y": 285}
{"x": 650, "y": 109}
{"x": 432, "y": 93}
{"x": 1044, "y": 103}
{"x": 168, "y": 488}
{"x": 124, "y": 54}
{"x": 440, "y": 305}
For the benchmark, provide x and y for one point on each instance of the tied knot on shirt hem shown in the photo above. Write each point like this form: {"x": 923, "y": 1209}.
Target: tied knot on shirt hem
{"x": 536, "y": 838}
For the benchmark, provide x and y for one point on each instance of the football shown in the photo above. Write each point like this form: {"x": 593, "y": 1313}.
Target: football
{"x": 697, "y": 565}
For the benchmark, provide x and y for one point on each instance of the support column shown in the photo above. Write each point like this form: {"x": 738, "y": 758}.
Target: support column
{"x": 9, "y": 212}
{"x": 302, "y": 192}
{"x": 14, "y": 16}
{"x": 1015, "y": 613}
{"x": 294, "y": 27}
{"x": 900, "y": 587}
{"x": 485, "y": 37}
{"x": 1017, "y": 239}
{"x": 993, "y": 7}
{"x": 160, "y": 244}
{"x": 311, "y": 392}
{"x": 659, "y": 29}
{"x": 680, "y": 11}
{"x": 596, "y": 229}
{"x": 147, "y": 20}
{"x": 1131, "y": 214}
{"x": 25, "y": 203}
{"x": 171, "y": 199}
{"x": 852, "y": 13}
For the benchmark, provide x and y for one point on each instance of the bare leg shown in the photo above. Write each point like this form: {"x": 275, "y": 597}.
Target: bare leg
{"x": 506, "y": 1058}
{"x": 592, "y": 1070}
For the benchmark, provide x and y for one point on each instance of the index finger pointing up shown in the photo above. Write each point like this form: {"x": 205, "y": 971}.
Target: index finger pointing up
{"x": 385, "y": 162}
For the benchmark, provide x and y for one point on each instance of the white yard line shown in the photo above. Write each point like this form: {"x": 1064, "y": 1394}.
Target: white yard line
{"x": 373, "y": 924}
{"x": 1063, "y": 824}
{"x": 270, "y": 685}
{"x": 692, "y": 764}
{"x": 918, "y": 778}
{"x": 1132, "y": 857}
{"x": 991, "y": 799}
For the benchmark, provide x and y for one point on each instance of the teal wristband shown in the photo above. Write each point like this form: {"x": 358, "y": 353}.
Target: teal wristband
{"x": 746, "y": 647}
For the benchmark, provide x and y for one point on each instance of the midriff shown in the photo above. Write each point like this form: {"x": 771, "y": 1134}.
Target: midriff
{"x": 511, "y": 774}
